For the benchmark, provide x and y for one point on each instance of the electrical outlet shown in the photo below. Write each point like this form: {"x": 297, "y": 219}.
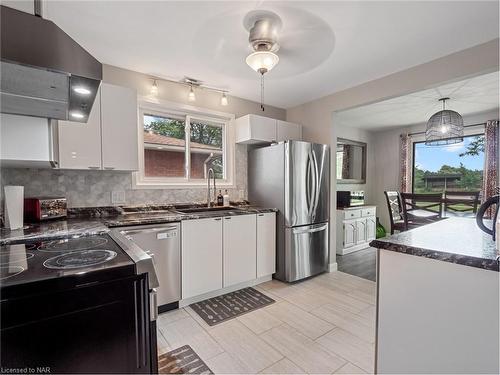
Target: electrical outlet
{"x": 118, "y": 196}
{"x": 241, "y": 194}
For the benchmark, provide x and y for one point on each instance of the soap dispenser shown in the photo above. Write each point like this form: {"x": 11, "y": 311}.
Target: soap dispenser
{"x": 220, "y": 199}
{"x": 226, "y": 199}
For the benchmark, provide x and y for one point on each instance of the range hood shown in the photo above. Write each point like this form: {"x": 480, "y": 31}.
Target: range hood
{"x": 45, "y": 73}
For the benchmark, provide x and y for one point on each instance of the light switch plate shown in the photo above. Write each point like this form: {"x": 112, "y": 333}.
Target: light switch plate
{"x": 118, "y": 196}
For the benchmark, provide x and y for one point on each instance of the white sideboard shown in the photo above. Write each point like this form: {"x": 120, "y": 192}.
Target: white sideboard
{"x": 356, "y": 227}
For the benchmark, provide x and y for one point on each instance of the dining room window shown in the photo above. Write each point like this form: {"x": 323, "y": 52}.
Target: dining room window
{"x": 455, "y": 167}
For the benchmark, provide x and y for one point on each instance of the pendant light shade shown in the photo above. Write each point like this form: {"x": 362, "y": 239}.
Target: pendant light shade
{"x": 191, "y": 95}
{"x": 445, "y": 127}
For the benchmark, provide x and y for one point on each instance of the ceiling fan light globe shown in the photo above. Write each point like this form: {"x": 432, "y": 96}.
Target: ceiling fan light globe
{"x": 262, "y": 61}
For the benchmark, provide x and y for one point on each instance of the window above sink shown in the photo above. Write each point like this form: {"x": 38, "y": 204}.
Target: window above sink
{"x": 178, "y": 144}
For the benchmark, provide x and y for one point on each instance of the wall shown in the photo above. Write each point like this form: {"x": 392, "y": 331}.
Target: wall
{"x": 93, "y": 188}
{"x": 319, "y": 125}
{"x": 359, "y": 135}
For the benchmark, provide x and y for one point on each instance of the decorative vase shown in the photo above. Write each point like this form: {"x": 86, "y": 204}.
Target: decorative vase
{"x": 381, "y": 232}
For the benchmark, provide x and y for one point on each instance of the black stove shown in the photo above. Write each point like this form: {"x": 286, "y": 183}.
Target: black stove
{"x": 72, "y": 259}
{"x": 75, "y": 305}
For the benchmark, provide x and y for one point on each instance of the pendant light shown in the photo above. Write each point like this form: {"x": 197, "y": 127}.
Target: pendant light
{"x": 154, "y": 88}
{"x": 223, "y": 99}
{"x": 445, "y": 127}
{"x": 191, "y": 95}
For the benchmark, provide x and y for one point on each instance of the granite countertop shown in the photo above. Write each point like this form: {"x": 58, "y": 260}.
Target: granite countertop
{"x": 454, "y": 240}
{"x": 92, "y": 221}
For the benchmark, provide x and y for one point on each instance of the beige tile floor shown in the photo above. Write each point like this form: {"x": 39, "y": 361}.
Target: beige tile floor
{"x": 324, "y": 325}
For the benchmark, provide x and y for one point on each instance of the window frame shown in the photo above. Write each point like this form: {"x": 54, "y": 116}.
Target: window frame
{"x": 188, "y": 112}
{"x": 422, "y": 140}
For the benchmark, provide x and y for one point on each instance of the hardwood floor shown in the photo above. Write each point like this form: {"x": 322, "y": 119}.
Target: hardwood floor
{"x": 362, "y": 263}
{"x": 321, "y": 325}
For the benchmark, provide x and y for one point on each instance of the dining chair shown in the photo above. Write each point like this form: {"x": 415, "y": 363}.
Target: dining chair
{"x": 461, "y": 201}
{"x": 395, "y": 211}
{"x": 421, "y": 209}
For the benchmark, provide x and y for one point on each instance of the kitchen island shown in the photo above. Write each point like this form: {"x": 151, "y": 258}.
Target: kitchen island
{"x": 438, "y": 300}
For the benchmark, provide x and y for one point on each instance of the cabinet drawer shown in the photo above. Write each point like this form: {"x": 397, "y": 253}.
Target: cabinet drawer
{"x": 352, "y": 214}
{"x": 368, "y": 212}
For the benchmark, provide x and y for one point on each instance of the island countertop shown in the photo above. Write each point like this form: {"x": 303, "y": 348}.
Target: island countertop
{"x": 454, "y": 240}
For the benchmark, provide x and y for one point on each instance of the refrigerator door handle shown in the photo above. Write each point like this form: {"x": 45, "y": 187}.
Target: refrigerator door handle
{"x": 311, "y": 184}
{"x": 311, "y": 230}
{"x": 308, "y": 186}
{"x": 316, "y": 185}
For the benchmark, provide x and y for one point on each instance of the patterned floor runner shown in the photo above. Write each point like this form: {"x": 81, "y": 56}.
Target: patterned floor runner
{"x": 228, "y": 306}
{"x": 183, "y": 360}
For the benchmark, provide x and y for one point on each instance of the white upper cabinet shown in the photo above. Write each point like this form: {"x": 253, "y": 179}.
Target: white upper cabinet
{"x": 119, "y": 128}
{"x": 288, "y": 131}
{"x": 80, "y": 143}
{"x": 239, "y": 249}
{"x": 254, "y": 129}
{"x": 109, "y": 139}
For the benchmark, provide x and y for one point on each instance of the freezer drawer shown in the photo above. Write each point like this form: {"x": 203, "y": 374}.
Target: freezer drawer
{"x": 306, "y": 251}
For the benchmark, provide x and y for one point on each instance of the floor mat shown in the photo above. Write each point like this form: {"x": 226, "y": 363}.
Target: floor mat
{"x": 228, "y": 306}
{"x": 183, "y": 360}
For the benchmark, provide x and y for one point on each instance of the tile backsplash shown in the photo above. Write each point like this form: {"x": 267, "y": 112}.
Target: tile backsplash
{"x": 84, "y": 188}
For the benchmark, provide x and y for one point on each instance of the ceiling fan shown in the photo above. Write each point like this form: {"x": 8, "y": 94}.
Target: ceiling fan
{"x": 263, "y": 28}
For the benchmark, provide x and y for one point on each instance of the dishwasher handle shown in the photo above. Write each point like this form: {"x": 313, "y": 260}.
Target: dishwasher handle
{"x": 149, "y": 230}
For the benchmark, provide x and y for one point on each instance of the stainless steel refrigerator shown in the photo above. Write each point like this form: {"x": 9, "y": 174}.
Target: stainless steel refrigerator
{"x": 294, "y": 177}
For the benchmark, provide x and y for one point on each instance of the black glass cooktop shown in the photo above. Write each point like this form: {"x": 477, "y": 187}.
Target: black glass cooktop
{"x": 50, "y": 260}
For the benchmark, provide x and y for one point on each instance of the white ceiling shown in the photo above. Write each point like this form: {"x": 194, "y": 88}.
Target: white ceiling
{"x": 325, "y": 46}
{"x": 467, "y": 97}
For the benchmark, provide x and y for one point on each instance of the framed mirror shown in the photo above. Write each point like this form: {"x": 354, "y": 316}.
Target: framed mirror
{"x": 351, "y": 162}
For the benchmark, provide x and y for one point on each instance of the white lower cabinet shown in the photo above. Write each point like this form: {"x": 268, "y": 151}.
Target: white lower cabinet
{"x": 360, "y": 231}
{"x": 201, "y": 256}
{"x": 222, "y": 252}
{"x": 266, "y": 244}
{"x": 356, "y": 227}
{"x": 349, "y": 233}
{"x": 239, "y": 249}
{"x": 371, "y": 228}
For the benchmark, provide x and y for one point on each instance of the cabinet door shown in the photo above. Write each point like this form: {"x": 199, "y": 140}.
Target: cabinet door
{"x": 119, "y": 128}
{"x": 349, "y": 233}
{"x": 80, "y": 143}
{"x": 254, "y": 129}
{"x": 288, "y": 131}
{"x": 266, "y": 244}
{"x": 371, "y": 228}
{"x": 201, "y": 256}
{"x": 240, "y": 249}
{"x": 360, "y": 231}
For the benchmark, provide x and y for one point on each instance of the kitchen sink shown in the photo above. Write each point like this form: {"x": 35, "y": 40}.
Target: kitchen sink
{"x": 205, "y": 209}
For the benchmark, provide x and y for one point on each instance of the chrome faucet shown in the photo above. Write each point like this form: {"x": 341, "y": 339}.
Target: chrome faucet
{"x": 210, "y": 171}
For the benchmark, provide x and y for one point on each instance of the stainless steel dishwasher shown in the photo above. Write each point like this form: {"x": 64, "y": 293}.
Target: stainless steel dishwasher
{"x": 162, "y": 243}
